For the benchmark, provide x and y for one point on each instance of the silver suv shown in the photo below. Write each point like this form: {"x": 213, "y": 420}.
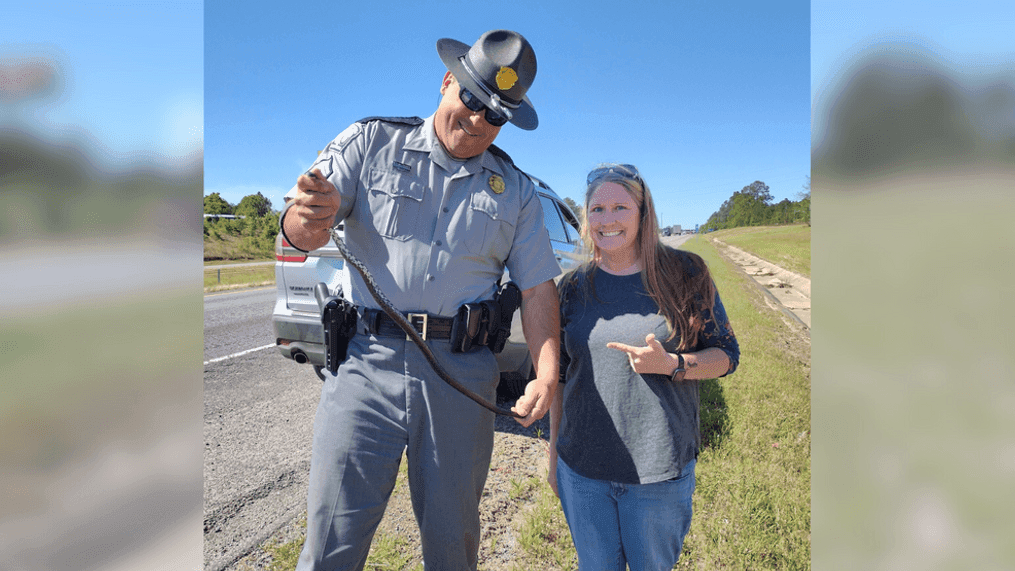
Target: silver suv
{"x": 296, "y": 319}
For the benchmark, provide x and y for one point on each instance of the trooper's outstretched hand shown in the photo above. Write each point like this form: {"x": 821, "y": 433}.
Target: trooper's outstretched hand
{"x": 312, "y": 212}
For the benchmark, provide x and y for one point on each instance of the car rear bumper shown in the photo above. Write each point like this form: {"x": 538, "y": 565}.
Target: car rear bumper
{"x": 300, "y": 338}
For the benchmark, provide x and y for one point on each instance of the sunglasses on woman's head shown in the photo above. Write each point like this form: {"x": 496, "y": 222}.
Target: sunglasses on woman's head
{"x": 626, "y": 171}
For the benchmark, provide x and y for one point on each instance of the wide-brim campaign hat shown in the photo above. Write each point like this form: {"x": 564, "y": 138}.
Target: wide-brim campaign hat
{"x": 498, "y": 69}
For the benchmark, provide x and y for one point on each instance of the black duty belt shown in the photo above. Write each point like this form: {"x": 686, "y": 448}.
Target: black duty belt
{"x": 428, "y": 326}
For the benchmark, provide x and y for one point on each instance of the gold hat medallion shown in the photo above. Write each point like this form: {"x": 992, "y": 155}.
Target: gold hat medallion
{"x": 506, "y": 78}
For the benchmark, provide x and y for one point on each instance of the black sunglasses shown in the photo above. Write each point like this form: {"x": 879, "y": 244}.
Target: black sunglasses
{"x": 475, "y": 105}
{"x": 626, "y": 171}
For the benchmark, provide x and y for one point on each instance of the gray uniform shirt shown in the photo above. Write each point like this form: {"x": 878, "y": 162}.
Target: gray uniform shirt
{"x": 434, "y": 232}
{"x": 618, "y": 425}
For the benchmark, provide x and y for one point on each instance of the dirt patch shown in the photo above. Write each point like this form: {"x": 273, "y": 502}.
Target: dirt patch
{"x": 518, "y": 465}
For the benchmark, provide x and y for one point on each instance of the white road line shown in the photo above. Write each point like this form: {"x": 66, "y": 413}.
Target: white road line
{"x": 217, "y": 359}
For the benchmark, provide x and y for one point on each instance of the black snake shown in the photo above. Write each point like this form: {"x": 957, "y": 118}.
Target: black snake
{"x": 404, "y": 324}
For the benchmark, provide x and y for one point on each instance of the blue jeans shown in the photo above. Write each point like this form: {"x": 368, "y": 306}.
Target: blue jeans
{"x": 613, "y": 525}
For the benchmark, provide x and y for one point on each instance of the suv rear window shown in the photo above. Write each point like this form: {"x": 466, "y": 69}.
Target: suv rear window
{"x": 551, "y": 219}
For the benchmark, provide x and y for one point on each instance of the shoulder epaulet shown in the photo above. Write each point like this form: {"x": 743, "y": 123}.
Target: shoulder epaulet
{"x": 499, "y": 153}
{"x": 413, "y": 121}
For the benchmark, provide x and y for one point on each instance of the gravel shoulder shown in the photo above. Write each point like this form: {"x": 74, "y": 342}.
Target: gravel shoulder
{"x": 520, "y": 460}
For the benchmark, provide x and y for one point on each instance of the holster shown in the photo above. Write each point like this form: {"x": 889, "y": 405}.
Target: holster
{"x": 507, "y": 300}
{"x": 486, "y": 323}
{"x": 338, "y": 317}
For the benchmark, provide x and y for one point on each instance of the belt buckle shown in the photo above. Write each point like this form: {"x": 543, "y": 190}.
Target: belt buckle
{"x": 419, "y": 323}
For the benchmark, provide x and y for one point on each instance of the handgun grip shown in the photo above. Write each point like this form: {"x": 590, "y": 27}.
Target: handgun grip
{"x": 322, "y": 294}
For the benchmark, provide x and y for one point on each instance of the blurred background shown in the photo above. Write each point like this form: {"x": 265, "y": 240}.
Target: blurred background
{"x": 913, "y": 188}
{"x": 101, "y": 159}
{"x": 913, "y": 173}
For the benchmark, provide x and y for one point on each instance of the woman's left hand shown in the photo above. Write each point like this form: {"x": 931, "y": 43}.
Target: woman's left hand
{"x": 650, "y": 359}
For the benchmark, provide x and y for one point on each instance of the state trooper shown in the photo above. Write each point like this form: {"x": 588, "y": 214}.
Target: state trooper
{"x": 436, "y": 212}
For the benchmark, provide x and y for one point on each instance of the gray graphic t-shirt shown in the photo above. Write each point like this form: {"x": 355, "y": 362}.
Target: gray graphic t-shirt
{"x": 618, "y": 425}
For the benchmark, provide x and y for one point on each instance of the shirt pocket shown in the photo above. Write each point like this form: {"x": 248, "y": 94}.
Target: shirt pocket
{"x": 490, "y": 229}
{"x": 395, "y": 202}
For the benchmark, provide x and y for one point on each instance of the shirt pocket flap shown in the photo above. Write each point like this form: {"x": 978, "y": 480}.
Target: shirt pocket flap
{"x": 487, "y": 205}
{"x": 395, "y": 183}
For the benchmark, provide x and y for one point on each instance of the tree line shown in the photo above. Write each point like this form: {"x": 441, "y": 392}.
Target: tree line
{"x": 750, "y": 206}
{"x": 252, "y": 232}
{"x": 255, "y": 227}
{"x": 753, "y": 206}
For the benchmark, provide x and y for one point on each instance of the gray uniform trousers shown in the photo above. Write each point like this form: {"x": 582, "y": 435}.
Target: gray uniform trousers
{"x": 385, "y": 399}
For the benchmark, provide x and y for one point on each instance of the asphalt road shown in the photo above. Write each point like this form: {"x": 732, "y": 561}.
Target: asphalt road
{"x": 258, "y": 423}
{"x": 675, "y": 241}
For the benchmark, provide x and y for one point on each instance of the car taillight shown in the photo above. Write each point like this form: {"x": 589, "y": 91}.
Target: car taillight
{"x": 293, "y": 255}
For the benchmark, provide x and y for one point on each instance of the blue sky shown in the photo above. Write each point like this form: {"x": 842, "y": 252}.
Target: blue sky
{"x": 705, "y": 98}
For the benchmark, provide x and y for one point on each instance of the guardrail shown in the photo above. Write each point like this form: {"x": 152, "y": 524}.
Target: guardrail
{"x": 253, "y": 272}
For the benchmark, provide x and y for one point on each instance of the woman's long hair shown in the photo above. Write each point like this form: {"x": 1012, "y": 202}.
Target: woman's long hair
{"x": 678, "y": 281}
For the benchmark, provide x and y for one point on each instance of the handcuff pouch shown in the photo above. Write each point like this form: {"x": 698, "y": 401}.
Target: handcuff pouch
{"x": 467, "y": 327}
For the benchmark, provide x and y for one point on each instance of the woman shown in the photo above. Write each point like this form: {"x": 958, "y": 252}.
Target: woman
{"x": 641, "y": 324}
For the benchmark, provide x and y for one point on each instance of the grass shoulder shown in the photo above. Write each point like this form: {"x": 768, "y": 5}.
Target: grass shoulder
{"x": 245, "y": 267}
{"x": 752, "y": 500}
{"x": 238, "y": 277}
{"x": 787, "y": 246}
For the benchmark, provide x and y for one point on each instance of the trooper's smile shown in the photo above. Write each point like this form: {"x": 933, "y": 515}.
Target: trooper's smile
{"x": 462, "y": 132}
